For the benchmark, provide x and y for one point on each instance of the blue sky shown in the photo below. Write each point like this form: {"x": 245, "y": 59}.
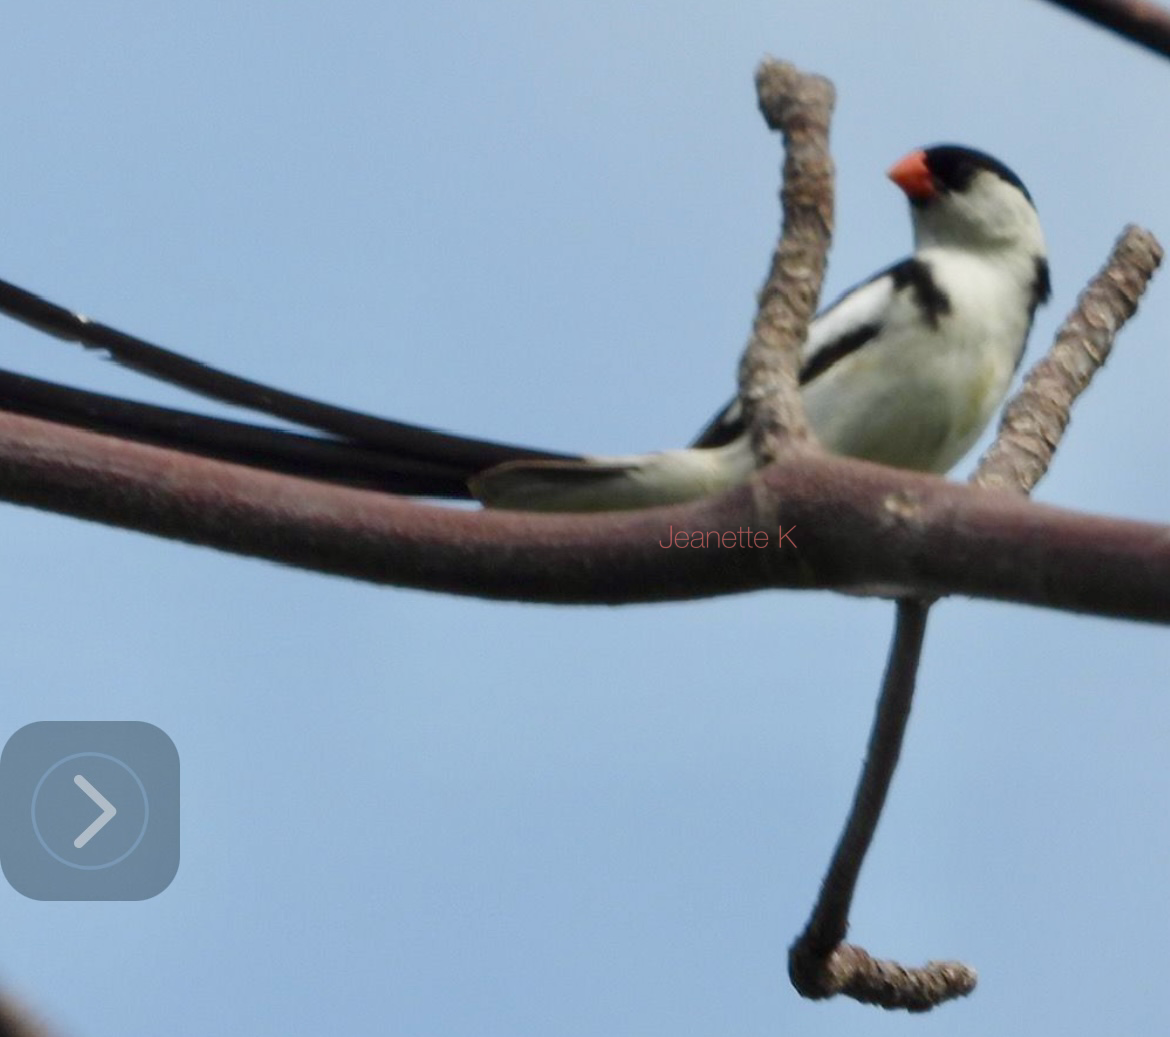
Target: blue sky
{"x": 423, "y": 815}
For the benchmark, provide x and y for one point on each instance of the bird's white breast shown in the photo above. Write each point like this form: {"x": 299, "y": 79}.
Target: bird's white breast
{"x": 919, "y": 394}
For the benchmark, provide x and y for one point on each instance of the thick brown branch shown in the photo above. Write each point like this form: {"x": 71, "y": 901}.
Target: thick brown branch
{"x": 1035, "y": 419}
{"x": 799, "y": 106}
{"x": 858, "y": 527}
{"x": 1136, "y": 20}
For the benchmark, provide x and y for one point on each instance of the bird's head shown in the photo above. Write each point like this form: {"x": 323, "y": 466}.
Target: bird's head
{"x": 964, "y": 198}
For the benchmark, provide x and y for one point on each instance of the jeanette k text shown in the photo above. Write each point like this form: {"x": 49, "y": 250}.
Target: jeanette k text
{"x": 743, "y": 537}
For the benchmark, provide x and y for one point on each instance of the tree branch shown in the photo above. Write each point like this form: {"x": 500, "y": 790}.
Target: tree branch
{"x": 799, "y": 106}
{"x": 1137, "y": 20}
{"x": 1034, "y": 421}
{"x": 820, "y": 964}
{"x": 856, "y": 526}
{"x": 17, "y": 1021}
{"x": 860, "y": 527}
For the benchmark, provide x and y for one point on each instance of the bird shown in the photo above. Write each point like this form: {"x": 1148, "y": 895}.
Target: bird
{"x": 905, "y": 369}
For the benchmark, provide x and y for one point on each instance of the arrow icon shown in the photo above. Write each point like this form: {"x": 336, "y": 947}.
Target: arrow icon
{"x": 103, "y": 819}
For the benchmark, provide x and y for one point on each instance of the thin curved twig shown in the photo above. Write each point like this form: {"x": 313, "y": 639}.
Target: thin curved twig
{"x": 820, "y": 964}
{"x": 1137, "y": 20}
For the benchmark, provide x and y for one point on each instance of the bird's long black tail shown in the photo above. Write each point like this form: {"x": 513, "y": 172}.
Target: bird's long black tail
{"x": 356, "y": 448}
{"x": 325, "y": 458}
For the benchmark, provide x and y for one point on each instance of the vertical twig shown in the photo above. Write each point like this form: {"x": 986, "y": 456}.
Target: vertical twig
{"x": 820, "y": 964}
{"x": 799, "y": 106}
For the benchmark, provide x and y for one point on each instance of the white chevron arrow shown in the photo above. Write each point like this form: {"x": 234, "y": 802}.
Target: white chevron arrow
{"x": 103, "y": 819}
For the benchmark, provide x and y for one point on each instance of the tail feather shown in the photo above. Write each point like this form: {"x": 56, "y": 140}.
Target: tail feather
{"x": 615, "y": 483}
{"x": 396, "y": 438}
{"x": 313, "y": 457}
{"x": 353, "y": 448}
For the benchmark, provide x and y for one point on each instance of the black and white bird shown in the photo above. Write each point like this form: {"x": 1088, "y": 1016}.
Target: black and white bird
{"x": 906, "y": 369}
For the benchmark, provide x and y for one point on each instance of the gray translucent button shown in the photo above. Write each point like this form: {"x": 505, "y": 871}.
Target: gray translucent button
{"x": 89, "y": 810}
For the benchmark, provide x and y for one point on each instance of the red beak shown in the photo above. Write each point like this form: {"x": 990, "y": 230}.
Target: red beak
{"x": 912, "y": 175}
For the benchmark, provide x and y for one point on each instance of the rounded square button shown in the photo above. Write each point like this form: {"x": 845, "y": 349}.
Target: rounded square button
{"x": 89, "y": 810}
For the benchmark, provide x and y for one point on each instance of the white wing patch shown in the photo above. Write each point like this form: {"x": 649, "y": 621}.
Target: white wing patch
{"x": 867, "y": 304}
